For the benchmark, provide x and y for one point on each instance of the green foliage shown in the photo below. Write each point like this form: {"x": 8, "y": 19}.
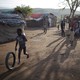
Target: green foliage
{"x": 23, "y": 9}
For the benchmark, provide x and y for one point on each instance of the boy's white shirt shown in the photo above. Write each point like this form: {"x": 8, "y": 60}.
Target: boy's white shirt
{"x": 24, "y": 33}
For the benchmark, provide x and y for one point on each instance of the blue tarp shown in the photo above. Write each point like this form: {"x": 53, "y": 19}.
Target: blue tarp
{"x": 11, "y": 19}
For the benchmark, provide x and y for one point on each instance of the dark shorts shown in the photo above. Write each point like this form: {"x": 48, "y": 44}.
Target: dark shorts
{"x": 22, "y": 49}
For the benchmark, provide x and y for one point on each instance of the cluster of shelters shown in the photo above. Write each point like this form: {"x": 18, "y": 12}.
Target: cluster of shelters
{"x": 36, "y": 20}
{"x": 10, "y": 22}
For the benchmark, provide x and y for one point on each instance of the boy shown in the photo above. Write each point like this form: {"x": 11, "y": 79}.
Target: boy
{"x": 21, "y": 40}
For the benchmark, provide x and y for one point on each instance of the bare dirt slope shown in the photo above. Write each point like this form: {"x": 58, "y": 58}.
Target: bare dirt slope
{"x": 51, "y": 58}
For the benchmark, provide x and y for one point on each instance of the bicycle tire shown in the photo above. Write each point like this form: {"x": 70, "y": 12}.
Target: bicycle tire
{"x": 7, "y": 60}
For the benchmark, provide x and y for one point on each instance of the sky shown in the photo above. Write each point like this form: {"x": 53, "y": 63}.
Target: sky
{"x": 32, "y": 3}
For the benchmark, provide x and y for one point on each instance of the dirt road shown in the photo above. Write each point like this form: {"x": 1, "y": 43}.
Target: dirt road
{"x": 51, "y": 58}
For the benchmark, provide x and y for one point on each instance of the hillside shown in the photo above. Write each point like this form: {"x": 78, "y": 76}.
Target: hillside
{"x": 57, "y": 12}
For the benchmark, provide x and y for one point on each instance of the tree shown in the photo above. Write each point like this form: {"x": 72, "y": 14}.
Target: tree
{"x": 24, "y": 10}
{"x": 73, "y": 5}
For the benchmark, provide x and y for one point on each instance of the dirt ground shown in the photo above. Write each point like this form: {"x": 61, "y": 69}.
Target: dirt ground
{"x": 51, "y": 58}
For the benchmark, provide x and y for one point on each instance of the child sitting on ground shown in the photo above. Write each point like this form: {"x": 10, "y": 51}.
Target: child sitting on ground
{"x": 21, "y": 40}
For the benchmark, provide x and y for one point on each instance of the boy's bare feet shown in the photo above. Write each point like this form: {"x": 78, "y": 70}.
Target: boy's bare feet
{"x": 27, "y": 55}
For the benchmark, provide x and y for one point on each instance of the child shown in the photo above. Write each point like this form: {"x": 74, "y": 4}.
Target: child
{"x": 71, "y": 36}
{"x": 45, "y": 29}
{"x": 21, "y": 40}
{"x": 68, "y": 33}
{"x": 58, "y": 26}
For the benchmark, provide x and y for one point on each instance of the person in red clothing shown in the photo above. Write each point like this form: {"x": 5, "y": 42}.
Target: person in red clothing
{"x": 72, "y": 24}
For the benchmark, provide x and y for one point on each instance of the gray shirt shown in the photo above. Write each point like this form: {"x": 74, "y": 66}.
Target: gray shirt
{"x": 21, "y": 40}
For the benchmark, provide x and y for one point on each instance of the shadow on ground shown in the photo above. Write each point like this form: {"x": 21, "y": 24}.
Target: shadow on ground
{"x": 39, "y": 34}
{"x": 48, "y": 68}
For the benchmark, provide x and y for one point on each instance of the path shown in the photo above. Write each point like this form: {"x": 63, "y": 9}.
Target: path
{"x": 51, "y": 58}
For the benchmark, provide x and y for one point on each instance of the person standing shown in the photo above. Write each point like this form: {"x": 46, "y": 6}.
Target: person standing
{"x": 45, "y": 23}
{"x": 71, "y": 36}
{"x": 58, "y": 26}
{"x": 62, "y": 28}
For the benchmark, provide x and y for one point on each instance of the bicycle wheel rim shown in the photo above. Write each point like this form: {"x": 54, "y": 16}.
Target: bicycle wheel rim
{"x": 10, "y": 65}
